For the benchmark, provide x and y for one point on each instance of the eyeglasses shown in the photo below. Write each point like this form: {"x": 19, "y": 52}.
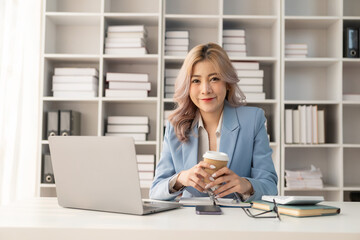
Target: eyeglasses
{"x": 259, "y": 215}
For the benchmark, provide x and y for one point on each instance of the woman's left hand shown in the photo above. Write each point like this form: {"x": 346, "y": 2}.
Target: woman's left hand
{"x": 232, "y": 183}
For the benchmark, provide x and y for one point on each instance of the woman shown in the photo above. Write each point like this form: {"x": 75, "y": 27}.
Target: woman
{"x": 210, "y": 116}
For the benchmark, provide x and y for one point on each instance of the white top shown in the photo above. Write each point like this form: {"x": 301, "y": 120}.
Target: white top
{"x": 203, "y": 145}
{"x": 42, "y": 218}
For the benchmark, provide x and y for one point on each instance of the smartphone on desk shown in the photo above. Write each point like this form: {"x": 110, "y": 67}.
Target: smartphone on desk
{"x": 208, "y": 210}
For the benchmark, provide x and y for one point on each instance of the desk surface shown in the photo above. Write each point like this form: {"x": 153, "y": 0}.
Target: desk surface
{"x": 42, "y": 218}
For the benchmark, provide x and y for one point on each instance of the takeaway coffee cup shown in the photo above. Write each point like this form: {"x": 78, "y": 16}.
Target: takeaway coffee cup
{"x": 218, "y": 159}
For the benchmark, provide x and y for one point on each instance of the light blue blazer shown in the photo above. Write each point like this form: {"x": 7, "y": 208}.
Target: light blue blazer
{"x": 243, "y": 138}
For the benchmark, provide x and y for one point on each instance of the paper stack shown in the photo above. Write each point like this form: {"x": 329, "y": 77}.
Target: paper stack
{"x": 75, "y": 82}
{"x": 251, "y": 79}
{"x": 170, "y": 77}
{"x": 234, "y": 42}
{"x": 127, "y": 85}
{"x": 145, "y": 164}
{"x": 296, "y": 50}
{"x": 176, "y": 43}
{"x": 128, "y": 126}
{"x": 305, "y": 125}
{"x": 126, "y": 40}
{"x": 304, "y": 179}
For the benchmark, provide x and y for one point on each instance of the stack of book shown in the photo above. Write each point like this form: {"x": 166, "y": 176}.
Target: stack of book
{"x": 170, "y": 77}
{"x": 166, "y": 116}
{"x": 176, "y": 43}
{"x": 127, "y": 85}
{"x": 304, "y": 179}
{"x": 75, "y": 82}
{"x": 234, "y": 42}
{"x": 125, "y": 39}
{"x": 128, "y": 126}
{"x": 305, "y": 125}
{"x": 296, "y": 50}
{"x": 145, "y": 164}
{"x": 250, "y": 79}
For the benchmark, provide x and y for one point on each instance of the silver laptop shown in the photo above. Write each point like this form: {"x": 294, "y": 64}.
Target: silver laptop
{"x": 99, "y": 173}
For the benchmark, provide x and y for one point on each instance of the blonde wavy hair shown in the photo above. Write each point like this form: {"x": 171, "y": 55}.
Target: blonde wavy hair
{"x": 185, "y": 116}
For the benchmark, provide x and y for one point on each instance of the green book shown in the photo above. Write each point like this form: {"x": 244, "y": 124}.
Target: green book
{"x": 298, "y": 210}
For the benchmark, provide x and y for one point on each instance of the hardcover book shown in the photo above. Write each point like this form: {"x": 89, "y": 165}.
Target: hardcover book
{"x": 298, "y": 210}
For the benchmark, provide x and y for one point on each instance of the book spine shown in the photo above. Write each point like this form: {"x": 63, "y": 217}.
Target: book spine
{"x": 136, "y": 77}
{"x": 128, "y": 128}
{"x": 169, "y": 72}
{"x": 127, "y": 120}
{"x": 233, "y": 33}
{"x": 251, "y": 81}
{"x": 127, "y": 28}
{"x": 130, "y": 85}
{"x": 302, "y": 112}
{"x": 177, "y": 41}
{"x": 126, "y": 93}
{"x": 309, "y": 124}
{"x": 246, "y": 65}
{"x": 296, "y": 126}
{"x": 288, "y": 126}
{"x": 145, "y": 158}
{"x": 250, "y": 73}
{"x": 321, "y": 126}
{"x": 177, "y": 34}
{"x": 136, "y": 136}
{"x": 314, "y": 125}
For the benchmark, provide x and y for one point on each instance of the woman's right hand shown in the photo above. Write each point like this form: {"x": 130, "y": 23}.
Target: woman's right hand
{"x": 194, "y": 177}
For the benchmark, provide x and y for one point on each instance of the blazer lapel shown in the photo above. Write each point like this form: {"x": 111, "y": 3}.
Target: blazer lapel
{"x": 190, "y": 150}
{"x": 229, "y": 131}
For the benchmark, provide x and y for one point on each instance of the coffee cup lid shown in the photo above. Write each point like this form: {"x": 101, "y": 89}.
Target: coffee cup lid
{"x": 216, "y": 155}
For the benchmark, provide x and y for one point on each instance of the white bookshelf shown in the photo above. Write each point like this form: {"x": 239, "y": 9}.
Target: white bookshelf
{"x": 321, "y": 79}
{"x": 74, "y": 32}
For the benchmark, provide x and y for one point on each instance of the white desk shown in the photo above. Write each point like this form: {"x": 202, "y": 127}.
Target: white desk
{"x": 43, "y": 219}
